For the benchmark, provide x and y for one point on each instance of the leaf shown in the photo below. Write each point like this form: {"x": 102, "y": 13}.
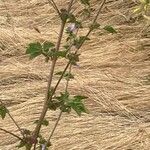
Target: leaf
{"x": 80, "y": 97}
{"x": 85, "y": 2}
{"x": 74, "y": 58}
{"x": 3, "y": 111}
{"x": 44, "y": 122}
{"x": 21, "y": 144}
{"x": 34, "y": 49}
{"x": 43, "y": 141}
{"x": 47, "y": 46}
{"x": 64, "y": 97}
{"x": 83, "y": 38}
{"x": 53, "y": 105}
{"x": 67, "y": 102}
{"x": 66, "y": 47}
{"x": 66, "y": 75}
{"x": 64, "y": 15}
{"x": 59, "y": 73}
{"x": 65, "y": 108}
{"x": 71, "y": 18}
{"x": 69, "y": 76}
{"x": 110, "y": 29}
{"x": 94, "y": 26}
{"x": 79, "y": 41}
{"x": 78, "y": 106}
{"x": 61, "y": 54}
{"x": 26, "y": 132}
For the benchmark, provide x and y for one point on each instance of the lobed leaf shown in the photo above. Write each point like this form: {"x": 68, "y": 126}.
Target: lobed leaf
{"x": 47, "y": 45}
{"x": 110, "y": 29}
{"x": 44, "y": 122}
{"x": 3, "y": 111}
{"x": 66, "y": 75}
{"x": 34, "y": 49}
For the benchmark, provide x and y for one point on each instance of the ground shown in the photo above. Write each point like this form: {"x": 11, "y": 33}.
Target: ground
{"x": 114, "y": 71}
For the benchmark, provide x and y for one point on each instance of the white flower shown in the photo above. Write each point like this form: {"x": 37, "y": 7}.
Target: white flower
{"x": 71, "y": 27}
{"x": 43, "y": 147}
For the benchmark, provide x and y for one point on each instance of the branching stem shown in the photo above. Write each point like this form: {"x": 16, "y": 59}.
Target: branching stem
{"x": 48, "y": 99}
{"x": 45, "y": 107}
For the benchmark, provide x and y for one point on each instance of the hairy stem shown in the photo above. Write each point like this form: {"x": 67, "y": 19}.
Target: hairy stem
{"x": 47, "y": 99}
{"x": 45, "y": 107}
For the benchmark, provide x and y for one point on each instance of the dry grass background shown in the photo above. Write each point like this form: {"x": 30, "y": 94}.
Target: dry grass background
{"x": 114, "y": 72}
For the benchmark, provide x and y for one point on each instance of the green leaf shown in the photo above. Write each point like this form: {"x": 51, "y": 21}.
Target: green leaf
{"x": 74, "y": 58}
{"x": 64, "y": 15}
{"x": 47, "y": 45}
{"x": 71, "y": 18}
{"x": 79, "y": 41}
{"x": 66, "y": 75}
{"x": 44, "y": 122}
{"x": 80, "y": 97}
{"x": 78, "y": 106}
{"x": 53, "y": 105}
{"x": 59, "y": 73}
{"x": 66, "y": 47}
{"x": 82, "y": 39}
{"x": 94, "y": 26}
{"x": 21, "y": 144}
{"x": 85, "y": 2}
{"x": 69, "y": 76}
{"x": 53, "y": 53}
{"x": 43, "y": 141}
{"x": 67, "y": 103}
{"x": 26, "y": 132}
{"x": 110, "y": 29}
{"x": 61, "y": 54}
{"x": 65, "y": 108}
{"x": 3, "y": 111}
{"x": 34, "y": 49}
{"x": 63, "y": 97}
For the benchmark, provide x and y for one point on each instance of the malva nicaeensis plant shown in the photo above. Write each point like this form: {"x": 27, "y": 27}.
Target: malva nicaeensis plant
{"x": 70, "y": 26}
